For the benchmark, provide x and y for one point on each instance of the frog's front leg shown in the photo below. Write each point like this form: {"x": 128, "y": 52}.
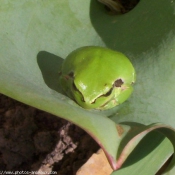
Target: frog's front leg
{"x": 114, "y": 5}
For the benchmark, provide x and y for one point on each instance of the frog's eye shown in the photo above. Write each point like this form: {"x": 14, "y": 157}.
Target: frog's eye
{"x": 118, "y": 83}
{"x": 71, "y": 74}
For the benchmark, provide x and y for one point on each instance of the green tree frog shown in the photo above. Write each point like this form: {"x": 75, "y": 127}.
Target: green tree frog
{"x": 97, "y": 77}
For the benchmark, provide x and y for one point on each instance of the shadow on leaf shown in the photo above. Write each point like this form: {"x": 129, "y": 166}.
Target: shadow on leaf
{"x": 143, "y": 28}
{"x": 145, "y": 147}
{"x": 50, "y": 66}
{"x": 137, "y": 142}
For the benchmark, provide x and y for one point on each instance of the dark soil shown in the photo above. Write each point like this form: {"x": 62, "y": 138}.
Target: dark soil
{"x": 33, "y": 140}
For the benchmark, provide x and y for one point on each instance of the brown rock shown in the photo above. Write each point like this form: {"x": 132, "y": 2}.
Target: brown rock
{"x": 96, "y": 165}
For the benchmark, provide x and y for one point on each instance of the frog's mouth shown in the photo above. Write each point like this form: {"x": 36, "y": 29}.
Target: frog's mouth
{"x": 117, "y": 84}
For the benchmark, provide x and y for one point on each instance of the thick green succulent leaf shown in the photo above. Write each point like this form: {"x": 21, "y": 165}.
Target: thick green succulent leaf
{"x": 134, "y": 139}
{"x": 36, "y": 35}
{"x": 148, "y": 157}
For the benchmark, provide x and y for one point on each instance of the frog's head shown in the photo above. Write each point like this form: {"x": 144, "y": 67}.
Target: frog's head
{"x": 97, "y": 77}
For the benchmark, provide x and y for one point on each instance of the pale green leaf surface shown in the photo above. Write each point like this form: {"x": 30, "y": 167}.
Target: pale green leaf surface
{"x": 133, "y": 141}
{"x": 36, "y": 35}
{"x": 150, "y": 157}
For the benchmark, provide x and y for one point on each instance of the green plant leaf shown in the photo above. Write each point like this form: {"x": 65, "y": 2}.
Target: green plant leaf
{"x": 151, "y": 155}
{"x": 136, "y": 136}
{"x": 37, "y": 35}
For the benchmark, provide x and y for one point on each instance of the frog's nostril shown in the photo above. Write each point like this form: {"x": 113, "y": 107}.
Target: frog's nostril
{"x": 118, "y": 83}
